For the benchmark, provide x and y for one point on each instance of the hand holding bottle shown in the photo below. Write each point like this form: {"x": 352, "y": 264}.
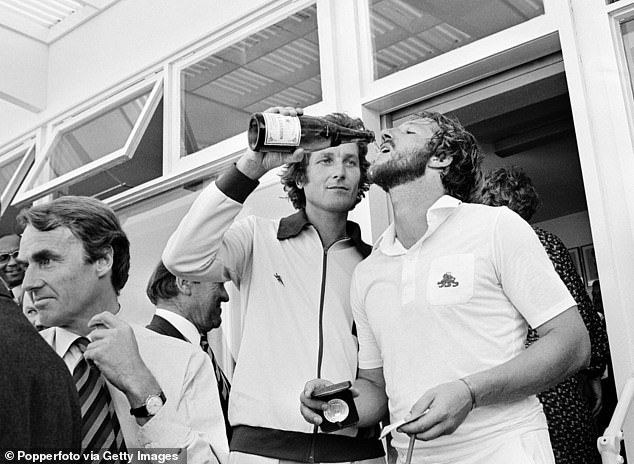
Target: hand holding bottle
{"x": 285, "y": 132}
{"x": 255, "y": 164}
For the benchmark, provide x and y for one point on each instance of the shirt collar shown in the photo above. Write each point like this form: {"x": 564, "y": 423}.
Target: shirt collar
{"x": 441, "y": 210}
{"x": 64, "y": 338}
{"x": 183, "y": 325}
{"x": 17, "y": 293}
{"x": 438, "y": 213}
{"x": 291, "y": 226}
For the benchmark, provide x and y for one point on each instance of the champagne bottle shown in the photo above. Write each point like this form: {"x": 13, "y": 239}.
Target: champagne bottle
{"x": 275, "y": 132}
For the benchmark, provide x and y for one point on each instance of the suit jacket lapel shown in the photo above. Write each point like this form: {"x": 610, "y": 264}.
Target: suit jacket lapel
{"x": 163, "y": 327}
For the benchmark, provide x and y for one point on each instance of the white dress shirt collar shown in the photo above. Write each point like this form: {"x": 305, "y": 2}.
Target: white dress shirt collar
{"x": 63, "y": 339}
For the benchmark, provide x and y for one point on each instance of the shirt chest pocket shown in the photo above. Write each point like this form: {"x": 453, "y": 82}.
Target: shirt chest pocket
{"x": 450, "y": 279}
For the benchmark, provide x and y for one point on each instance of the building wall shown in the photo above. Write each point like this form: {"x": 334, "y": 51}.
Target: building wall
{"x": 24, "y": 64}
{"x": 127, "y": 38}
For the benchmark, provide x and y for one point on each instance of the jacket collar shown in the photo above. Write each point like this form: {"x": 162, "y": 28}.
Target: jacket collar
{"x": 291, "y": 226}
{"x": 178, "y": 323}
{"x": 4, "y": 289}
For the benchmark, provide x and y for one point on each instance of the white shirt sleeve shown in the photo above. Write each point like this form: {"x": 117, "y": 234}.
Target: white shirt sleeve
{"x": 369, "y": 352}
{"x": 527, "y": 275}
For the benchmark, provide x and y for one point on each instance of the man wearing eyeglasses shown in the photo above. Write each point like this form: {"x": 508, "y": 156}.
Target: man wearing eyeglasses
{"x": 11, "y": 272}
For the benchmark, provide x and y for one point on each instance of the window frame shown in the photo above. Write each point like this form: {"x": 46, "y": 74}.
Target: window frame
{"x": 236, "y": 144}
{"x": 519, "y": 43}
{"x": 619, "y": 14}
{"x": 25, "y": 150}
{"x": 154, "y": 85}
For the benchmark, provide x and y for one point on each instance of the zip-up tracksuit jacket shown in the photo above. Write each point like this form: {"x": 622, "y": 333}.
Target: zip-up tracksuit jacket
{"x": 297, "y": 324}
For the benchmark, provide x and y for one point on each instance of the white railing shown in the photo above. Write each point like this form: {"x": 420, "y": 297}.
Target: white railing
{"x": 609, "y": 444}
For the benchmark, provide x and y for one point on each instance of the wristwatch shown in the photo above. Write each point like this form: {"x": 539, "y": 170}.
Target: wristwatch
{"x": 153, "y": 403}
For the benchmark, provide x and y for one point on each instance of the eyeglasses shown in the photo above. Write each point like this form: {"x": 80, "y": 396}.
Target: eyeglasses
{"x": 5, "y": 257}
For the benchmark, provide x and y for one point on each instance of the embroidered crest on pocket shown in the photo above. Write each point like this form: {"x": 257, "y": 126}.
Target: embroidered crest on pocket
{"x": 450, "y": 279}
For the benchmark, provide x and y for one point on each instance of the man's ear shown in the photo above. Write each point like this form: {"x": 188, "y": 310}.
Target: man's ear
{"x": 437, "y": 162}
{"x": 184, "y": 286}
{"x": 103, "y": 265}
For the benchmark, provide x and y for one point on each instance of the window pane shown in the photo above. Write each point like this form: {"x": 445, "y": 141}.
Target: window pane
{"x": 407, "y": 32}
{"x": 276, "y": 66}
{"x": 146, "y": 164}
{"x": 14, "y": 167}
{"x": 8, "y": 169}
{"x": 94, "y": 139}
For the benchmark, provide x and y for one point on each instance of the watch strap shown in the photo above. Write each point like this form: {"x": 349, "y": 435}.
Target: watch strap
{"x": 142, "y": 411}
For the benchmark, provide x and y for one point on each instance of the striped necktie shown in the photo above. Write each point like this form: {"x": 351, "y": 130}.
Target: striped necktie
{"x": 223, "y": 383}
{"x": 100, "y": 429}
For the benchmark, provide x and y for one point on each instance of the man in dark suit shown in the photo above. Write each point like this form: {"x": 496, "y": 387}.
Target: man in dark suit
{"x": 39, "y": 408}
{"x": 11, "y": 272}
{"x": 188, "y": 310}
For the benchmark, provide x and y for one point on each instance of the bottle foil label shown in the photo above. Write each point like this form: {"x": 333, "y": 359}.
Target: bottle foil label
{"x": 282, "y": 130}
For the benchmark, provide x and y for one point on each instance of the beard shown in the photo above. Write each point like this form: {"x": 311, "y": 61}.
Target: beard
{"x": 407, "y": 167}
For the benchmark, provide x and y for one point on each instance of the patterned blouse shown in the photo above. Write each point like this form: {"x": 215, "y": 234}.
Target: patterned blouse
{"x": 572, "y": 431}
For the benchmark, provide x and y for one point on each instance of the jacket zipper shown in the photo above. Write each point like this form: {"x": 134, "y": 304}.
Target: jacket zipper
{"x": 320, "y": 353}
